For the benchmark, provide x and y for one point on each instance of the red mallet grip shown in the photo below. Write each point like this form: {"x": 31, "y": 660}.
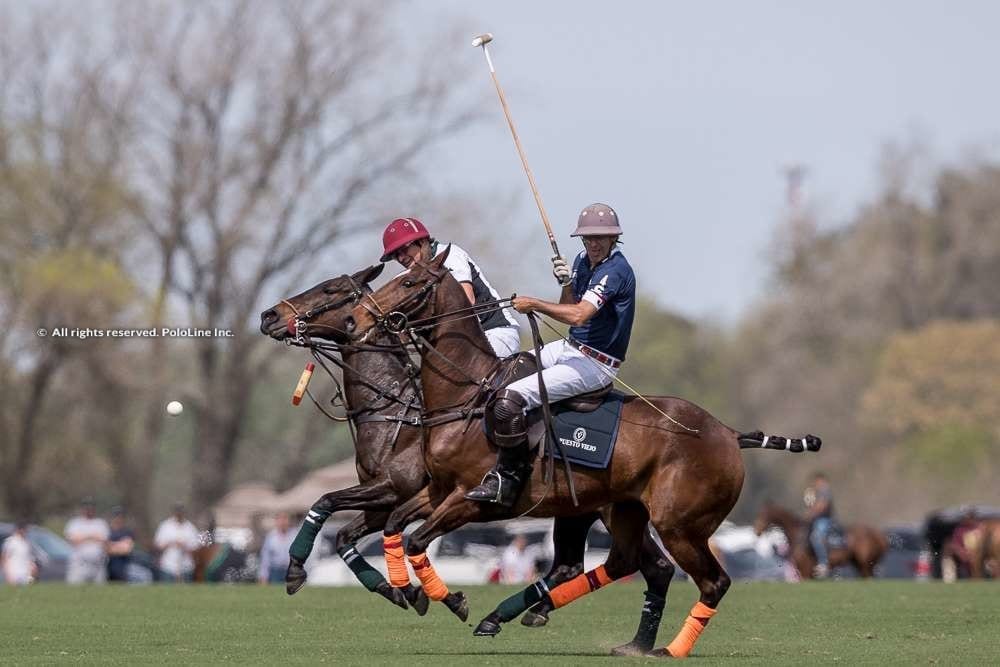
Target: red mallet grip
{"x": 300, "y": 388}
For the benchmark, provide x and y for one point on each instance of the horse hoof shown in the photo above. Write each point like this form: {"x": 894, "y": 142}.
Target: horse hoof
{"x": 393, "y": 595}
{"x": 532, "y": 620}
{"x": 295, "y": 576}
{"x": 458, "y": 604}
{"x": 659, "y": 653}
{"x": 488, "y": 627}
{"x": 630, "y": 650}
{"x": 420, "y": 601}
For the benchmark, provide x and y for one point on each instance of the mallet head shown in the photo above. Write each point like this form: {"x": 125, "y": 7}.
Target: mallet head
{"x": 483, "y": 40}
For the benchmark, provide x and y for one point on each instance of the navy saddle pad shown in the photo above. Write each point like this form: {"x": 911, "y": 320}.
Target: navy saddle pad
{"x": 588, "y": 438}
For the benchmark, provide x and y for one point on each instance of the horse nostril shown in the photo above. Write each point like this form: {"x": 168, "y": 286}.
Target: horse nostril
{"x": 269, "y": 316}
{"x": 350, "y": 324}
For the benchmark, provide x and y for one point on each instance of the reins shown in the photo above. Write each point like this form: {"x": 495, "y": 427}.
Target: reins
{"x": 615, "y": 378}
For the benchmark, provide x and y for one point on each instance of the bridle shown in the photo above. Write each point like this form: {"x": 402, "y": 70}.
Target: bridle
{"x": 298, "y": 323}
{"x": 397, "y": 321}
{"x": 406, "y": 394}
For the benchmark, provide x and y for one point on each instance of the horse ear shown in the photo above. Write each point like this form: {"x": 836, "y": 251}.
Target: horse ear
{"x": 369, "y": 274}
{"x": 439, "y": 261}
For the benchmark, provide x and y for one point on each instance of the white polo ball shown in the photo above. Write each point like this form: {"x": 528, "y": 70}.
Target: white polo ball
{"x": 174, "y": 408}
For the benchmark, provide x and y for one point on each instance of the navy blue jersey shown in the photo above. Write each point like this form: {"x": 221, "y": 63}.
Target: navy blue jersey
{"x": 610, "y": 287}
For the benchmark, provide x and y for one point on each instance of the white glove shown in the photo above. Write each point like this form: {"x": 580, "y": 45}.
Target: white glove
{"x": 560, "y": 269}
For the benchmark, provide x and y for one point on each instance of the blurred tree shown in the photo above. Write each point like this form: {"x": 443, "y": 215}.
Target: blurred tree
{"x": 262, "y": 139}
{"x": 62, "y": 208}
{"x": 945, "y": 372}
{"x": 670, "y": 355}
{"x": 806, "y": 354}
{"x": 210, "y": 154}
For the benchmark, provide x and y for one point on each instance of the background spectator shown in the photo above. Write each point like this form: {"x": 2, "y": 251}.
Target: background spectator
{"x": 88, "y": 534}
{"x": 274, "y": 552}
{"x": 176, "y": 539}
{"x": 19, "y": 567}
{"x": 517, "y": 564}
{"x": 121, "y": 541}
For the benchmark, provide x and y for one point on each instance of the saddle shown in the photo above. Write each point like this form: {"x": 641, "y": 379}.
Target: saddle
{"x": 523, "y": 364}
{"x": 587, "y": 432}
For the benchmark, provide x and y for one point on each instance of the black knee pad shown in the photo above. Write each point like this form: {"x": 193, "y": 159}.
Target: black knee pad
{"x": 505, "y": 418}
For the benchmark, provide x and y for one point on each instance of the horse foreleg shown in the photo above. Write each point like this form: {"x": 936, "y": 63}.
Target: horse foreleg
{"x": 695, "y": 558}
{"x": 376, "y": 495}
{"x": 569, "y": 538}
{"x": 455, "y": 511}
{"x": 417, "y": 507}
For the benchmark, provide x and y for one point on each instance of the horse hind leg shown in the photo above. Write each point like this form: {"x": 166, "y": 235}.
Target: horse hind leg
{"x": 658, "y": 571}
{"x": 693, "y": 555}
{"x": 628, "y": 521}
{"x": 569, "y": 536}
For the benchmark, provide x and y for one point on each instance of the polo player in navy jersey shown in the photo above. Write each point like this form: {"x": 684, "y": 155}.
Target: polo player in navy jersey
{"x": 598, "y": 302}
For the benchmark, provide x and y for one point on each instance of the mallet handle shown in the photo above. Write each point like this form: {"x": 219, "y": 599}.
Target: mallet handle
{"x": 520, "y": 152}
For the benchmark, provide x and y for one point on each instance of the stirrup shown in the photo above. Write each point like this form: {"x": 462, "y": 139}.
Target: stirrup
{"x": 482, "y": 492}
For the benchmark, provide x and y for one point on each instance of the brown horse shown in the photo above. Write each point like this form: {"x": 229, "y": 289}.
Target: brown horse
{"x": 863, "y": 548}
{"x": 674, "y": 464}
{"x": 986, "y": 554}
{"x": 383, "y": 401}
{"x": 979, "y": 550}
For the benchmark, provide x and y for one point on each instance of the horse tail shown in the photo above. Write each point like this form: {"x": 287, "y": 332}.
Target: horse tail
{"x": 757, "y": 440}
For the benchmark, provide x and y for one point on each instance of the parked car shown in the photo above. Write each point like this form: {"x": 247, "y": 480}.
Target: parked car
{"x": 748, "y": 556}
{"x": 908, "y": 556}
{"x": 50, "y": 551}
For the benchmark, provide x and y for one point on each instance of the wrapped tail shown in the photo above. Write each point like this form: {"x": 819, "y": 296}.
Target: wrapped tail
{"x": 757, "y": 440}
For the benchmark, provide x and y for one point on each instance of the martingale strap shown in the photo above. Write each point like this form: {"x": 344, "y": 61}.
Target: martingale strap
{"x": 553, "y": 441}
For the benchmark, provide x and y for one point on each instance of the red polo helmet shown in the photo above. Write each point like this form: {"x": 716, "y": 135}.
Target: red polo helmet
{"x": 400, "y": 233}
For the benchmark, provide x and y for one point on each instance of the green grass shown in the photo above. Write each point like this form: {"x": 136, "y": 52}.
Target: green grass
{"x": 846, "y": 622}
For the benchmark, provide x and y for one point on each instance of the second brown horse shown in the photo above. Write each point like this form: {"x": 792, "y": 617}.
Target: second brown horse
{"x": 863, "y": 547}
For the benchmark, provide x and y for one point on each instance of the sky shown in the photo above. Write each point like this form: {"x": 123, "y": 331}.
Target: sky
{"x": 682, "y": 116}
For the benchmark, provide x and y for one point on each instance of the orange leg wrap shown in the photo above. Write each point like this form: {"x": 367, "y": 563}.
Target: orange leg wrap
{"x": 693, "y": 625}
{"x": 433, "y": 586}
{"x": 579, "y": 586}
{"x": 394, "y": 561}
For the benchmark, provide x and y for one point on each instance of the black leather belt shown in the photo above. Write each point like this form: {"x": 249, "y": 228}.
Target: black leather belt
{"x": 595, "y": 354}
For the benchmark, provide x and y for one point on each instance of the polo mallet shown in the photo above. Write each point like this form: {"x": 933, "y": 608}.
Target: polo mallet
{"x": 483, "y": 40}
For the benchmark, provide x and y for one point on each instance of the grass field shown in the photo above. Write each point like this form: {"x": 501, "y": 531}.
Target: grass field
{"x": 846, "y": 622}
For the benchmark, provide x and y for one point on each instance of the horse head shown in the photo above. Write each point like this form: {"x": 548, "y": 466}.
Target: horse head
{"x": 771, "y": 514}
{"x": 322, "y": 311}
{"x": 403, "y": 299}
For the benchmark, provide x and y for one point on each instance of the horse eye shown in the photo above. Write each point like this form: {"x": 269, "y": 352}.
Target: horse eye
{"x": 408, "y": 283}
